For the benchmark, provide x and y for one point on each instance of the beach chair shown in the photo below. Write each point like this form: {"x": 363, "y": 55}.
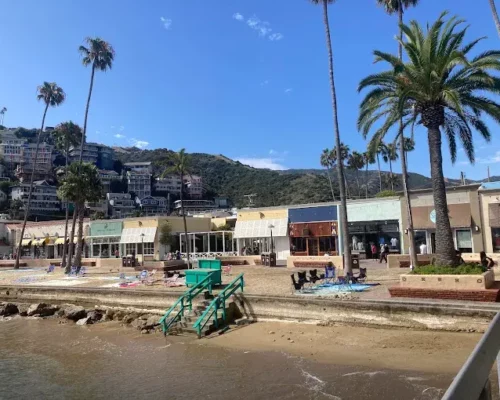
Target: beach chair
{"x": 122, "y": 276}
{"x": 226, "y": 270}
{"x": 82, "y": 271}
{"x": 173, "y": 281}
{"x": 143, "y": 276}
{"x": 296, "y": 285}
{"x": 345, "y": 282}
{"x": 50, "y": 269}
{"x": 361, "y": 278}
{"x": 73, "y": 270}
{"x": 313, "y": 276}
{"x": 330, "y": 274}
{"x": 303, "y": 278}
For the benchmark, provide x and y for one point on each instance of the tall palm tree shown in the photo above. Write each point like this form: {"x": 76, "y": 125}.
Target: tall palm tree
{"x": 356, "y": 162}
{"x": 67, "y": 134}
{"x": 82, "y": 183}
{"x": 2, "y": 114}
{"x": 495, "y": 15}
{"x": 53, "y": 96}
{"x": 180, "y": 164}
{"x": 340, "y": 169}
{"x": 344, "y": 156}
{"x": 378, "y": 151}
{"x": 326, "y": 161}
{"x": 389, "y": 155}
{"x": 368, "y": 159}
{"x": 442, "y": 88}
{"x": 100, "y": 56}
{"x": 398, "y": 7}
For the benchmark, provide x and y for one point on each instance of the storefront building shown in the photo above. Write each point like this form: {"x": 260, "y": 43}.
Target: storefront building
{"x": 105, "y": 238}
{"x": 374, "y": 221}
{"x": 313, "y": 230}
{"x": 254, "y": 230}
{"x": 464, "y": 213}
{"x": 489, "y": 195}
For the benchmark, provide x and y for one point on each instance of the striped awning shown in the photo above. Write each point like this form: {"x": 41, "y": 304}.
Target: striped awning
{"x": 40, "y": 242}
{"x": 25, "y": 242}
{"x": 138, "y": 235}
{"x": 59, "y": 240}
{"x": 261, "y": 228}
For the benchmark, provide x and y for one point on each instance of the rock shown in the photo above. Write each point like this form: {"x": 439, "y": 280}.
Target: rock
{"x": 384, "y": 346}
{"x": 138, "y": 323}
{"x": 23, "y": 309}
{"x": 291, "y": 341}
{"x": 41, "y": 310}
{"x": 84, "y": 321}
{"x": 272, "y": 332}
{"x": 118, "y": 315}
{"x": 94, "y": 315}
{"x": 152, "y": 322}
{"x": 75, "y": 313}
{"x": 106, "y": 318}
{"x": 144, "y": 331}
{"x": 60, "y": 313}
{"x": 129, "y": 318}
{"x": 110, "y": 314}
{"x": 144, "y": 317}
{"x": 8, "y": 309}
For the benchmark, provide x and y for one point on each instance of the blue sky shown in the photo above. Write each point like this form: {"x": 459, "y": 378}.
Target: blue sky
{"x": 247, "y": 79}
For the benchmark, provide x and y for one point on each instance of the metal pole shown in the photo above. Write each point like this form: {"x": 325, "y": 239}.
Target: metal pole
{"x": 142, "y": 242}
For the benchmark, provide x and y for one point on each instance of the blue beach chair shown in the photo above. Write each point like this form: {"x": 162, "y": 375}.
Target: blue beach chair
{"x": 82, "y": 272}
{"x": 330, "y": 273}
{"x": 50, "y": 269}
{"x": 73, "y": 270}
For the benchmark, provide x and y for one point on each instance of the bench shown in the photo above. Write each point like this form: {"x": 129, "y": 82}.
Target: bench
{"x": 310, "y": 264}
{"x": 235, "y": 262}
{"x": 12, "y": 264}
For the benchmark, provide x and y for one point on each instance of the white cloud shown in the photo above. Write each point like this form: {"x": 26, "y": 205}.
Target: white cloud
{"x": 266, "y": 163}
{"x": 167, "y": 23}
{"x": 288, "y": 91}
{"x": 118, "y": 136}
{"x": 263, "y": 28}
{"x": 141, "y": 144}
{"x": 238, "y": 17}
{"x": 494, "y": 159}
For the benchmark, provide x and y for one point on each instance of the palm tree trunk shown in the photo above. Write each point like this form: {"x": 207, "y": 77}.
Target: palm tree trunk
{"x": 357, "y": 182}
{"x": 84, "y": 135}
{"x": 340, "y": 166}
{"x": 390, "y": 169}
{"x": 78, "y": 253}
{"x": 331, "y": 183}
{"x": 65, "y": 250}
{"x": 184, "y": 221}
{"x": 495, "y": 15}
{"x": 366, "y": 179}
{"x": 404, "y": 169}
{"x": 27, "y": 208}
{"x": 445, "y": 249}
{"x": 71, "y": 241}
{"x": 379, "y": 172}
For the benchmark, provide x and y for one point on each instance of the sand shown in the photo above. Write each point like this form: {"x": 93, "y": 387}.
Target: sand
{"x": 425, "y": 351}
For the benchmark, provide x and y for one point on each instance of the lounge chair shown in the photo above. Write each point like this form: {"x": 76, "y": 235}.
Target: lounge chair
{"x": 295, "y": 284}
{"x": 73, "y": 271}
{"x": 361, "y": 278}
{"x": 173, "y": 281}
{"x": 50, "y": 269}
{"x": 82, "y": 272}
{"x": 314, "y": 276}
{"x": 329, "y": 274}
{"x": 303, "y": 278}
{"x": 346, "y": 281}
{"x": 143, "y": 276}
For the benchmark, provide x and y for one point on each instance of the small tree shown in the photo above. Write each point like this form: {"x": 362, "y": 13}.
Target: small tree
{"x": 356, "y": 162}
{"x": 166, "y": 238}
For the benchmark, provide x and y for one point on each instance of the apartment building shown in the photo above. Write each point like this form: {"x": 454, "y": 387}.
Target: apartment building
{"x": 152, "y": 205}
{"x": 145, "y": 166}
{"x": 44, "y": 198}
{"x": 172, "y": 184}
{"x": 106, "y": 177}
{"x": 10, "y": 148}
{"x": 120, "y": 205}
{"x": 26, "y": 165}
{"x": 139, "y": 183}
{"x": 95, "y": 153}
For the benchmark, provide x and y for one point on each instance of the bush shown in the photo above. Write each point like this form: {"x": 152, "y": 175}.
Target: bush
{"x": 386, "y": 193}
{"x": 464, "y": 269}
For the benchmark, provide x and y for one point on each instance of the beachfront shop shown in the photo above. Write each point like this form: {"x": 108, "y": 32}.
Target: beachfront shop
{"x": 105, "y": 238}
{"x": 374, "y": 221}
{"x": 138, "y": 237}
{"x": 464, "y": 215}
{"x": 262, "y": 231}
{"x": 490, "y": 204}
{"x": 313, "y": 230}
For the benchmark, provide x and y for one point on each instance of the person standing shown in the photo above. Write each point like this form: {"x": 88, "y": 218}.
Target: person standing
{"x": 383, "y": 253}
{"x": 423, "y": 248}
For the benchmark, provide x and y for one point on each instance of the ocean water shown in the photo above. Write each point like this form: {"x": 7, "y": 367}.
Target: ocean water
{"x": 41, "y": 359}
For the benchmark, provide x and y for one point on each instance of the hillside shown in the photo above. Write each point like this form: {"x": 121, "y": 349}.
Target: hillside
{"x": 225, "y": 177}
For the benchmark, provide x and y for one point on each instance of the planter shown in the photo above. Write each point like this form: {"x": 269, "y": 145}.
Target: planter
{"x": 448, "y": 282}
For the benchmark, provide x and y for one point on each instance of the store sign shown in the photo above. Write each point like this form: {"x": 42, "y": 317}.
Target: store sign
{"x": 105, "y": 229}
{"x": 432, "y": 216}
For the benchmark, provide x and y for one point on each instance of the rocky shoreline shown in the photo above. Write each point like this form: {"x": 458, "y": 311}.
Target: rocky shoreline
{"x": 71, "y": 313}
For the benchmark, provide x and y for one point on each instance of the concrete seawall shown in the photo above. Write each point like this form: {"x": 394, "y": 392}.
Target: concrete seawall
{"x": 450, "y": 316}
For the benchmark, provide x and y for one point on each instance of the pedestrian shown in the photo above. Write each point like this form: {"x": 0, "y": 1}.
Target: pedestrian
{"x": 384, "y": 253}
{"x": 486, "y": 261}
{"x": 374, "y": 251}
{"x": 117, "y": 253}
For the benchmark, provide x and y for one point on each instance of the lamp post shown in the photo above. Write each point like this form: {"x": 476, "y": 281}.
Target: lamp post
{"x": 142, "y": 247}
{"x": 271, "y": 226}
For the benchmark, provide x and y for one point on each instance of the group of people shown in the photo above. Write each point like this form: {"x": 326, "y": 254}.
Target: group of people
{"x": 174, "y": 256}
{"x": 384, "y": 252}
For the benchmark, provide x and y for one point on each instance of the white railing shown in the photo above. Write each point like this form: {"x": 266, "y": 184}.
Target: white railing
{"x": 213, "y": 254}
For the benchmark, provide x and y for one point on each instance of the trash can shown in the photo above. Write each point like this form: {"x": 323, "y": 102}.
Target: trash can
{"x": 272, "y": 259}
{"x": 265, "y": 257}
{"x": 354, "y": 261}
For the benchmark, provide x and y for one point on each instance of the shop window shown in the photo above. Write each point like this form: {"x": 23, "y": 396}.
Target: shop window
{"x": 326, "y": 243}
{"x": 129, "y": 248}
{"x": 495, "y": 235}
{"x": 421, "y": 239}
{"x": 299, "y": 244}
{"x": 149, "y": 248}
{"x": 464, "y": 240}
{"x": 95, "y": 250}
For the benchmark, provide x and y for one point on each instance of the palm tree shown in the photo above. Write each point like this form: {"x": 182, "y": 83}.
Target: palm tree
{"x": 53, "y": 96}
{"x": 180, "y": 165}
{"x": 81, "y": 184}
{"x": 389, "y": 155}
{"x": 2, "y": 115}
{"x": 67, "y": 134}
{"x": 340, "y": 170}
{"x": 344, "y": 156}
{"x": 326, "y": 160}
{"x": 100, "y": 55}
{"x": 368, "y": 159}
{"x": 495, "y": 15}
{"x": 378, "y": 151}
{"x": 442, "y": 88}
{"x": 399, "y": 7}
{"x": 356, "y": 162}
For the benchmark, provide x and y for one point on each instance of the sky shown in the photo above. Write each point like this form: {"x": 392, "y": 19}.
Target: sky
{"x": 246, "y": 79}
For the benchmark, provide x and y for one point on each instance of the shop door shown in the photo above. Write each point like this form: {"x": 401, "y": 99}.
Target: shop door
{"x": 312, "y": 247}
{"x": 433, "y": 242}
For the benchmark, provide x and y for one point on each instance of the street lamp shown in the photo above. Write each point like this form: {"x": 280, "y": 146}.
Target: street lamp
{"x": 271, "y": 226}
{"x": 142, "y": 247}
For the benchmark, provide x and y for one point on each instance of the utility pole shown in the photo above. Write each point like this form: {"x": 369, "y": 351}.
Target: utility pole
{"x": 488, "y": 173}
{"x": 250, "y": 198}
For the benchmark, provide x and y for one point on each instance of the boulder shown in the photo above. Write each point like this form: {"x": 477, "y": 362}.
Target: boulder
{"x": 152, "y": 321}
{"x": 106, "y": 318}
{"x": 110, "y": 314}
{"x": 41, "y": 310}
{"x": 75, "y": 313}
{"x": 127, "y": 319}
{"x": 118, "y": 315}
{"x": 23, "y": 309}
{"x": 94, "y": 315}
{"x": 8, "y": 309}
{"x": 138, "y": 323}
{"x": 84, "y": 321}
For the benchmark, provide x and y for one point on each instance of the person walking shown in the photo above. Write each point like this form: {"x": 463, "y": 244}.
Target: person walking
{"x": 384, "y": 253}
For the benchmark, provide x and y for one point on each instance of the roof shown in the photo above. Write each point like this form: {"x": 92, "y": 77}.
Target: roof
{"x": 474, "y": 186}
{"x": 146, "y": 163}
{"x": 490, "y": 186}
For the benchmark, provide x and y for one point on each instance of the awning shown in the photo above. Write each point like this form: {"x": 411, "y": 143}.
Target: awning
{"x": 460, "y": 216}
{"x": 261, "y": 228}
{"x": 59, "y": 240}
{"x": 25, "y": 242}
{"x": 40, "y": 242}
{"x": 135, "y": 235}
